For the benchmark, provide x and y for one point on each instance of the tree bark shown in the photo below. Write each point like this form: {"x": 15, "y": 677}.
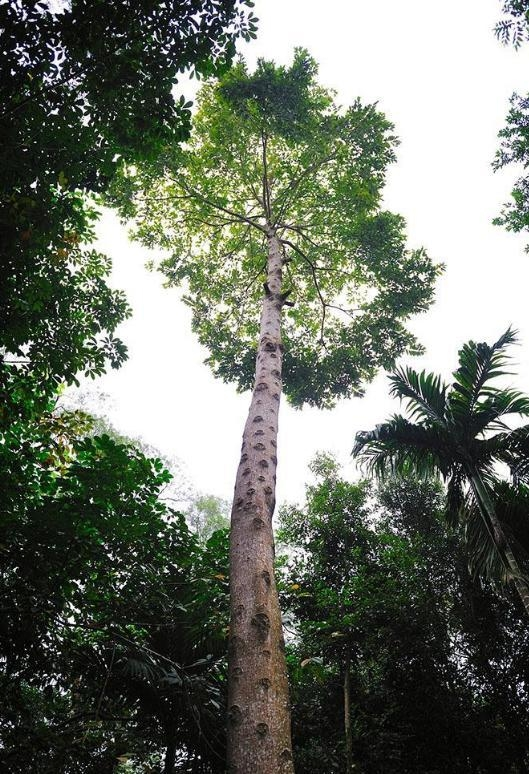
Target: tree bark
{"x": 347, "y": 715}
{"x": 258, "y": 706}
{"x": 500, "y": 539}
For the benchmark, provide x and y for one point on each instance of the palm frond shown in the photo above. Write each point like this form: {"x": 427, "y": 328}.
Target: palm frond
{"x": 425, "y": 393}
{"x": 488, "y": 414}
{"x": 447, "y": 431}
{"x": 143, "y": 668}
{"x": 511, "y": 505}
{"x": 399, "y": 447}
{"x": 456, "y": 496}
{"x": 512, "y": 448}
{"x": 483, "y": 556}
{"x": 478, "y": 364}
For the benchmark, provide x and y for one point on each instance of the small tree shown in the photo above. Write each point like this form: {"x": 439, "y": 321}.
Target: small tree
{"x": 272, "y": 218}
{"x": 460, "y": 433}
{"x": 330, "y": 535}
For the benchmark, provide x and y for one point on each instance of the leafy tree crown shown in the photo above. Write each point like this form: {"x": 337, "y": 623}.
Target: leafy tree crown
{"x": 272, "y": 153}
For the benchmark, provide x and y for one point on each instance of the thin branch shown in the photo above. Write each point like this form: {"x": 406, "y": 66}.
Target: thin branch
{"x": 255, "y": 278}
{"x": 239, "y": 216}
{"x": 90, "y": 716}
{"x": 103, "y": 690}
{"x": 299, "y": 230}
{"x": 266, "y": 182}
{"x": 294, "y": 184}
{"x": 349, "y": 312}
{"x": 316, "y": 285}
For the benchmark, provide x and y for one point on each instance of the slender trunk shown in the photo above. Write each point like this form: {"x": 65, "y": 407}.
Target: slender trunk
{"x": 500, "y": 540}
{"x": 258, "y": 706}
{"x": 347, "y": 715}
{"x": 170, "y": 757}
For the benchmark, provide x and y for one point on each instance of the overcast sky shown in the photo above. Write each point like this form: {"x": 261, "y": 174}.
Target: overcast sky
{"x": 440, "y": 75}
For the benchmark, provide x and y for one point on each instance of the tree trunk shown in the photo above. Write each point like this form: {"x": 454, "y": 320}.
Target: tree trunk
{"x": 258, "y": 706}
{"x": 500, "y": 540}
{"x": 347, "y": 715}
{"x": 170, "y": 757}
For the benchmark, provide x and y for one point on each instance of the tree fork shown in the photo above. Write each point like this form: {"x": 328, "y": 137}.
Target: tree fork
{"x": 259, "y": 739}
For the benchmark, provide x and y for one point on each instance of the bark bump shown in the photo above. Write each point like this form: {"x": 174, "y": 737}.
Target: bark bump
{"x": 262, "y": 624}
{"x": 262, "y": 729}
{"x": 235, "y": 715}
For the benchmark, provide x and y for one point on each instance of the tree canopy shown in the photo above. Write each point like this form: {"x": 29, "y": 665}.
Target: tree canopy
{"x": 113, "y": 614}
{"x": 374, "y": 583}
{"x": 84, "y": 86}
{"x": 271, "y": 149}
{"x": 103, "y": 659}
{"x": 514, "y": 149}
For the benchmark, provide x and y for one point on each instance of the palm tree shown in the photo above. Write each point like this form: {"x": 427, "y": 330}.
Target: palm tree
{"x": 459, "y": 432}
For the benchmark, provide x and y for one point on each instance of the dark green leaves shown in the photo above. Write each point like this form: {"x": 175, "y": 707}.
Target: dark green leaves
{"x": 83, "y": 89}
{"x": 277, "y": 100}
{"x": 113, "y": 618}
{"x": 425, "y": 393}
{"x": 514, "y": 149}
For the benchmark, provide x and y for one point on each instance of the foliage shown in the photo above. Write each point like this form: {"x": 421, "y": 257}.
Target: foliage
{"x": 57, "y": 313}
{"x": 114, "y": 619}
{"x": 513, "y": 27}
{"x": 514, "y": 149}
{"x": 85, "y": 85}
{"x": 103, "y": 655}
{"x": 459, "y": 432}
{"x": 272, "y": 152}
{"x": 206, "y": 514}
{"x": 437, "y": 662}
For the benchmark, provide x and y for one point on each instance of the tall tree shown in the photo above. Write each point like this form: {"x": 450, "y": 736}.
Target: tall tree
{"x": 461, "y": 434}
{"x": 272, "y": 218}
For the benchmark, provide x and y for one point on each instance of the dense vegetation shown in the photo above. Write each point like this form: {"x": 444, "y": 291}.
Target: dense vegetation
{"x": 401, "y": 660}
{"x": 405, "y": 602}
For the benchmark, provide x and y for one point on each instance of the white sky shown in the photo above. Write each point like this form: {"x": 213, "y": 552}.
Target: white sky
{"x": 440, "y": 75}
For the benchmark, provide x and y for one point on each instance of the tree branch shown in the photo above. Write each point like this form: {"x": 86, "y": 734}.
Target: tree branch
{"x": 104, "y": 688}
{"x": 324, "y": 304}
{"x": 294, "y": 184}
{"x": 266, "y": 182}
{"x": 192, "y": 193}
